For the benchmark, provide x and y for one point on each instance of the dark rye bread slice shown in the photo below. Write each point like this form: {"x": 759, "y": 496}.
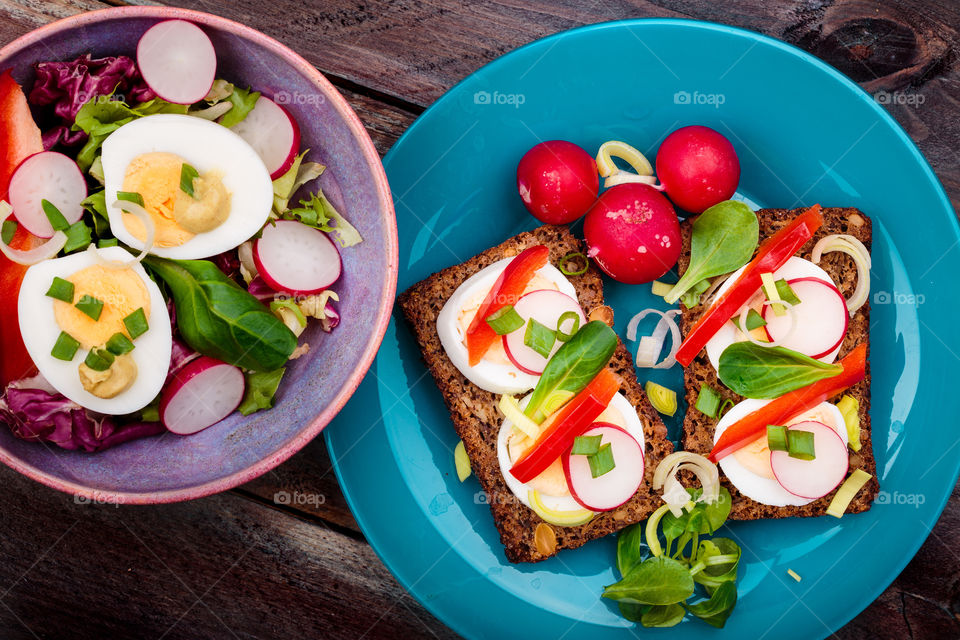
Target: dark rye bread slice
{"x": 698, "y": 428}
{"x": 476, "y": 417}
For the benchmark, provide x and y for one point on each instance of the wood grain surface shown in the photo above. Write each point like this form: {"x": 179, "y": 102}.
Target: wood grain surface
{"x": 252, "y": 563}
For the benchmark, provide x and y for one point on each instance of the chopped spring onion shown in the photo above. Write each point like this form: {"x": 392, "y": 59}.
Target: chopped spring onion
{"x": 726, "y": 406}
{"x": 586, "y": 445}
{"x": 777, "y": 437}
{"x": 692, "y": 297}
{"x": 141, "y": 214}
{"x": 674, "y": 494}
{"x": 90, "y": 306}
{"x": 663, "y": 399}
{"x": 78, "y": 237}
{"x": 615, "y": 175}
{"x": 107, "y": 242}
{"x": 754, "y": 321}
{"x": 555, "y": 516}
{"x": 793, "y": 574}
{"x": 61, "y": 290}
{"x": 48, "y": 249}
{"x": 99, "y": 359}
{"x": 136, "y": 323}
{"x": 567, "y": 316}
{"x": 7, "y": 231}
{"x": 800, "y": 445}
{"x": 119, "y": 344}
{"x": 505, "y": 320}
{"x": 65, "y": 348}
{"x": 650, "y": 533}
{"x": 539, "y": 338}
{"x": 130, "y": 196}
{"x": 708, "y": 401}
{"x": 187, "y": 175}
{"x": 461, "y": 462}
{"x": 624, "y": 177}
{"x": 785, "y": 292}
{"x": 847, "y": 492}
{"x": 660, "y": 289}
{"x": 788, "y": 309}
{"x": 574, "y": 257}
{"x": 773, "y": 294}
{"x": 602, "y": 461}
{"x": 57, "y": 221}
{"x": 291, "y": 306}
{"x": 850, "y": 410}
{"x": 849, "y": 245}
{"x": 511, "y": 411}
{"x": 649, "y": 347}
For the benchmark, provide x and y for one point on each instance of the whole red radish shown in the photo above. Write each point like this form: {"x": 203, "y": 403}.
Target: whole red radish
{"x": 698, "y": 168}
{"x": 632, "y": 233}
{"x": 558, "y": 181}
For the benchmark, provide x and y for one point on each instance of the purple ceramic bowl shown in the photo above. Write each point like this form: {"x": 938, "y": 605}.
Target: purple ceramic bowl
{"x": 169, "y": 468}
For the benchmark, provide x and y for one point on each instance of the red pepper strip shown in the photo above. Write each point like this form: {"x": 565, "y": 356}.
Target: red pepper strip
{"x": 787, "y": 406}
{"x": 771, "y": 256}
{"x": 19, "y": 139}
{"x": 505, "y": 291}
{"x": 567, "y": 423}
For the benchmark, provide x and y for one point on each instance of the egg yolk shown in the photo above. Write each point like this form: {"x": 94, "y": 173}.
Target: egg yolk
{"x": 176, "y": 215}
{"x": 122, "y": 291}
{"x": 755, "y": 457}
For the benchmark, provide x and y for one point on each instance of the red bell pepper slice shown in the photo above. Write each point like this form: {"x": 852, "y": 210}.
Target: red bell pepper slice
{"x": 505, "y": 291}
{"x": 19, "y": 139}
{"x": 787, "y": 406}
{"x": 566, "y": 424}
{"x": 772, "y": 255}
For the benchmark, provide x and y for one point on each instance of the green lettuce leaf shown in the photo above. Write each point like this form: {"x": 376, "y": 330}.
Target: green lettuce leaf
{"x": 243, "y": 102}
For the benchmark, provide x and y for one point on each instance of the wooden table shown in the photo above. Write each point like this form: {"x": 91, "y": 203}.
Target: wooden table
{"x": 244, "y": 565}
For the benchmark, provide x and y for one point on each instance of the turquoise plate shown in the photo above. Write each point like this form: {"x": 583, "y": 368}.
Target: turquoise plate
{"x": 804, "y": 134}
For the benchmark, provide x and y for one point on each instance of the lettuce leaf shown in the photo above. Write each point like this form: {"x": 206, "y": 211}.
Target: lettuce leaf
{"x": 101, "y": 117}
{"x": 261, "y": 389}
{"x": 243, "y": 102}
{"x": 319, "y": 213}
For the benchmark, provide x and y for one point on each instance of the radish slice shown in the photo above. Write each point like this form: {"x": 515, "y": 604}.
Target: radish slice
{"x": 815, "y": 478}
{"x": 819, "y": 321}
{"x": 545, "y": 306}
{"x": 294, "y": 258}
{"x": 50, "y": 176}
{"x": 615, "y": 487}
{"x": 201, "y": 394}
{"x": 273, "y": 134}
{"x": 177, "y": 61}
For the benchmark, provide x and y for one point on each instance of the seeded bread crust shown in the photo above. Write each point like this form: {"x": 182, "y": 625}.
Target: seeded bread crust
{"x": 476, "y": 417}
{"x": 698, "y": 428}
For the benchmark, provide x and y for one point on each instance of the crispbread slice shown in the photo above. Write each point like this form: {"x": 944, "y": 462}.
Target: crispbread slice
{"x": 476, "y": 417}
{"x": 698, "y": 428}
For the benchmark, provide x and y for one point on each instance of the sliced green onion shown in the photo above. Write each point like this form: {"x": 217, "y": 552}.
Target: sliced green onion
{"x": 461, "y": 462}
{"x": 586, "y": 445}
{"x": 136, "y": 323}
{"x": 564, "y": 336}
{"x": 793, "y": 574}
{"x": 663, "y": 399}
{"x": 660, "y": 289}
{"x": 132, "y": 196}
{"x": 773, "y": 295}
{"x": 505, "y": 320}
{"x": 107, "y": 242}
{"x": 726, "y": 406}
{"x": 847, "y": 492}
{"x": 570, "y": 257}
{"x": 57, "y": 221}
{"x": 90, "y": 306}
{"x": 786, "y": 293}
{"x": 692, "y": 297}
{"x": 539, "y": 338}
{"x": 776, "y": 437}
{"x": 61, "y": 290}
{"x": 119, "y": 344}
{"x": 602, "y": 461}
{"x": 521, "y": 422}
{"x": 187, "y": 175}
{"x": 754, "y": 320}
{"x": 849, "y": 245}
{"x": 99, "y": 359}
{"x": 65, "y": 348}
{"x": 7, "y": 230}
{"x": 800, "y": 445}
{"x": 291, "y": 306}
{"x": 708, "y": 401}
{"x": 78, "y": 237}
{"x": 850, "y": 409}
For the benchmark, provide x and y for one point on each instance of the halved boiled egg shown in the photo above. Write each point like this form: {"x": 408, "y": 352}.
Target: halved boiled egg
{"x": 122, "y": 291}
{"x": 229, "y": 199}
{"x": 552, "y": 483}
{"x": 749, "y": 468}
{"x": 495, "y": 372}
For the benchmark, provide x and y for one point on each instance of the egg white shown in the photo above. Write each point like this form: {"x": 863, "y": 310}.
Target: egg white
{"x": 767, "y": 490}
{"x": 630, "y": 421}
{"x": 206, "y": 146}
{"x": 793, "y": 268}
{"x": 490, "y": 376}
{"x": 40, "y": 330}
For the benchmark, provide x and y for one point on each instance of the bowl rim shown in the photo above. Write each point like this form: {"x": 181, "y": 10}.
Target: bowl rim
{"x": 388, "y": 291}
